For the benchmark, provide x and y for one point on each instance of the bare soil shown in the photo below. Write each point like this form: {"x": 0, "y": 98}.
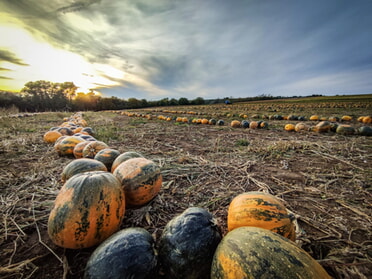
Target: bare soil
{"x": 324, "y": 179}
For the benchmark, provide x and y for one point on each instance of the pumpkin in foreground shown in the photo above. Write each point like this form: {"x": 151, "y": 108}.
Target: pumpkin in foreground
{"x": 89, "y": 208}
{"x": 259, "y": 209}
{"x": 187, "y": 244}
{"x": 251, "y": 252}
{"x": 141, "y": 180}
{"x": 126, "y": 254}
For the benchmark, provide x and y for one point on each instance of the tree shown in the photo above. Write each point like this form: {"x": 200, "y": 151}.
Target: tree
{"x": 183, "y": 101}
{"x": 44, "y": 95}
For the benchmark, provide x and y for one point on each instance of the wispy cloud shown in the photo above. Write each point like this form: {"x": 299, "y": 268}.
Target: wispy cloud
{"x": 8, "y": 56}
{"x": 208, "y": 48}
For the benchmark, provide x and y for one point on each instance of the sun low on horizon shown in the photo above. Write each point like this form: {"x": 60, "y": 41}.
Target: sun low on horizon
{"x": 35, "y": 59}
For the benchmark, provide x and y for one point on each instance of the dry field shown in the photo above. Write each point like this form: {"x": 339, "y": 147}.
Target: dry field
{"x": 324, "y": 179}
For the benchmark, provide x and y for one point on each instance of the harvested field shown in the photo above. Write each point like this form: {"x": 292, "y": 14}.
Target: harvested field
{"x": 324, "y": 179}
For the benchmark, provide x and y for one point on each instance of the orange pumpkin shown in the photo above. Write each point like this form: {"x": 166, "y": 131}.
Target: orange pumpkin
{"x": 346, "y": 118}
{"x": 253, "y": 125}
{"x": 235, "y": 124}
{"x": 289, "y": 127}
{"x": 314, "y": 118}
{"x": 51, "y": 136}
{"x": 88, "y": 209}
{"x": 141, "y": 180}
{"x": 262, "y": 210}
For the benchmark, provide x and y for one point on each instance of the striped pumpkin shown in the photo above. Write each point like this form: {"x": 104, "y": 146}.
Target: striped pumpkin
{"x": 262, "y": 210}
{"x": 141, "y": 180}
{"x": 88, "y": 209}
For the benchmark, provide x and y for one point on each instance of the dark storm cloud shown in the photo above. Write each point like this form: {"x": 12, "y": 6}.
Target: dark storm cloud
{"x": 8, "y": 56}
{"x": 236, "y": 47}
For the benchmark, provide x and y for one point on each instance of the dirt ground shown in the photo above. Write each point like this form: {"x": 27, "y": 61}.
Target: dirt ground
{"x": 324, "y": 179}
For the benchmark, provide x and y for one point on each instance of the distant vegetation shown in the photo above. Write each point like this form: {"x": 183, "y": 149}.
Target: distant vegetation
{"x": 39, "y": 96}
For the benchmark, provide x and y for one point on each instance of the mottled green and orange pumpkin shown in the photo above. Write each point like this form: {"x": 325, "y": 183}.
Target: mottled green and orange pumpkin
{"x": 124, "y": 157}
{"x": 88, "y": 209}
{"x": 252, "y": 252}
{"x": 78, "y": 149}
{"x": 259, "y": 209}
{"x": 141, "y": 180}
{"x": 81, "y": 165}
{"x": 322, "y": 127}
{"x": 301, "y": 127}
{"x": 107, "y": 156}
{"x": 91, "y": 149}
{"x": 345, "y": 130}
{"x": 65, "y": 147}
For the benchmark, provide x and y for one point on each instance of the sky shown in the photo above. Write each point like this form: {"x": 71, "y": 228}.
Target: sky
{"x": 155, "y": 49}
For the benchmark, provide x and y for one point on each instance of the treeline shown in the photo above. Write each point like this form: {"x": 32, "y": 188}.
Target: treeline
{"x": 43, "y": 95}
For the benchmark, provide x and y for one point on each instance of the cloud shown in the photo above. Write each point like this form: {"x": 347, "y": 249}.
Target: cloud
{"x": 8, "y": 56}
{"x": 228, "y": 48}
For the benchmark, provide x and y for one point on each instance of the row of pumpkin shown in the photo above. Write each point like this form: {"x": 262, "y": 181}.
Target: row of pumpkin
{"x": 292, "y": 117}
{"x": 330, "y": 125}
{"x": 90, "y": 207}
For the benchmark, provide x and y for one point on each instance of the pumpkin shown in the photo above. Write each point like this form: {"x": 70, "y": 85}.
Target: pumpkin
{"x": 365, "y": 131}
{"x": 187, "y": 244}
{"x": 141, "y": 180}
{"x": 205, "y": 121}
{"x": 322, "y": 127}
{"x": 334, "y": 119}
{"x": 123, "y": 157}
{"x": 92, "y": 148}
{"x": 51, "y": 136}
{"x": 107, "y": 156}
{"x": 367, "y": 119}
{"x": 220, "y": 122}
{"x": 253, "y": 125}
{"x": 314, "y": 118}
{"x": 88, "y": 130}
{"x": 66, "y": 146}
{"x": 88, "y": 209}
{"x": 346, "y": 118}
{"x": 244, "y": 124}
{"x": 262, "y": 210}
{"x": 235, "y": 124}
{"x": 301, "y": 127}
{"x": 345, "y": 130}
{"x": 251, "y": 252}
{"x": 127, "y": 254}
{"x": 212, "y": 121}
{"x": 78, "y": 149}
{"x": 290, "y": 127}
{"x": 264, "y": 125}
{"x": 65, "y": 131}
{"x": 81, "y": 165}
